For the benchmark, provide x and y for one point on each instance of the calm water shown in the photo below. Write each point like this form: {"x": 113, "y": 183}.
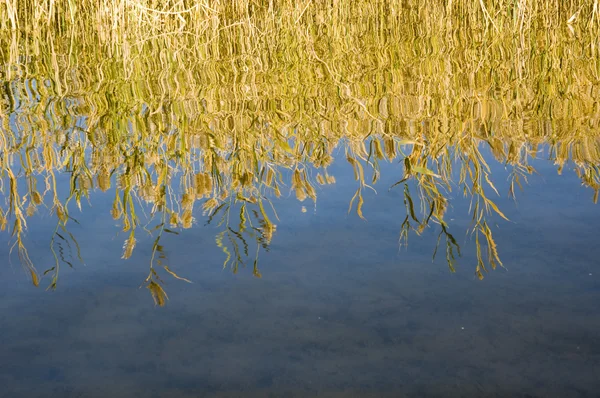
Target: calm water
{"x": 323, "y": 199}
{"x": 339, "y": 311}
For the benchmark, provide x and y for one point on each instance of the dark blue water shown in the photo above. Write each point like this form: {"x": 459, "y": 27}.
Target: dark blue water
{"x": 340, "y": 310}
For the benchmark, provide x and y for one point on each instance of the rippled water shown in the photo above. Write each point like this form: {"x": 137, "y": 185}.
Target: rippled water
{"x": 373, "y": 199}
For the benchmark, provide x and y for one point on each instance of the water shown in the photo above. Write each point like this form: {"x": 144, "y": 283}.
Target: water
{"x": 240, "y": 200}
{"x": 340, "y": 310}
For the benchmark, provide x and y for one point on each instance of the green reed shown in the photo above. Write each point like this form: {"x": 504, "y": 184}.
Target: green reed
{"x": 209, "y": 105}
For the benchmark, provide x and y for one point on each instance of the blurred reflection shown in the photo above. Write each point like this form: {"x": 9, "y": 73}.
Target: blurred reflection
{"x": 217, "y": 110}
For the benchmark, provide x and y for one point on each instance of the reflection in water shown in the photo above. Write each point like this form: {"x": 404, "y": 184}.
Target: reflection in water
{"x": 220, "y": 108}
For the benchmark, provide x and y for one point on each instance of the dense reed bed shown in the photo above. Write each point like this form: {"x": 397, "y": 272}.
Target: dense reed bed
{"x": 203, "y": 105}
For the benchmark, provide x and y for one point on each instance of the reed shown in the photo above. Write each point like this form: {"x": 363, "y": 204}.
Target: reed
{"x": 218, "y": 107}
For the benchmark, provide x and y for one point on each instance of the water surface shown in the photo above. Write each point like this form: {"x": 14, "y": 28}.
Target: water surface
{"x": 302, "y": 200}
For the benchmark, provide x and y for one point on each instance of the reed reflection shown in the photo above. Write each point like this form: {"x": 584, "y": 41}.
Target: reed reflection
{"x": 205, "y": 113}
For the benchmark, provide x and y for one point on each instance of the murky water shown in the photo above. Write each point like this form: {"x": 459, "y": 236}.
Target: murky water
{"x": 373, "y": 199}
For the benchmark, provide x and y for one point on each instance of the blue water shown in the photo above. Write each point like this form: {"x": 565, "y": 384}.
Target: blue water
{"x": 340, "y": 310}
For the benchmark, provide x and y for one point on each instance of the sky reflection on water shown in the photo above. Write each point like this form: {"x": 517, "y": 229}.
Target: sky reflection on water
{"x": 340, "y": 309}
